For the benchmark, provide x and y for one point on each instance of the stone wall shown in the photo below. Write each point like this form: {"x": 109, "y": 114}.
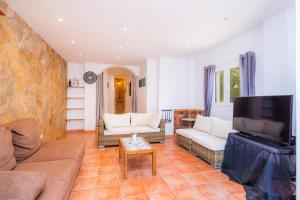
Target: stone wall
{"x": 33, "y": 77}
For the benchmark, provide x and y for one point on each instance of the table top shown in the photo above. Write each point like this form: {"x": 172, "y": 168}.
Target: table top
{"x": 188, "y": 119}
{"x": 140, "y": 146}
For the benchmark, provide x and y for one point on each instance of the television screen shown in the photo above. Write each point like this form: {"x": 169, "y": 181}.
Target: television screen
{"x": 269, "y": 117}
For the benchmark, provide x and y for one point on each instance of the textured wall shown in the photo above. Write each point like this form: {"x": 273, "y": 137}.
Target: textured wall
{"x": 33, "y": 77}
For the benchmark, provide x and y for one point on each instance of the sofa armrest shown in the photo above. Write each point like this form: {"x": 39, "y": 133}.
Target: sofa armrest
{"x": 101, "y": 127}
{"x": 162, "y": 125}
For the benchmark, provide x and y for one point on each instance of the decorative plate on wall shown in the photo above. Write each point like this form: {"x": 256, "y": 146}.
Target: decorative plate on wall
{"x": 90, "y": 77}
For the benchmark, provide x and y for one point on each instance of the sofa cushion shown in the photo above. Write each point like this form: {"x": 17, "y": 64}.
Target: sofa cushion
{"x": 220, "y": 128}
{"x": 189, "y": 132}
{"x": 58, "y": 150}
{"x": 155, "y": 120}
{"x": 25, "y": 137}
{"x": 7, "y": 157}
{"x": 119, "y": 131}
{"x": 116, "y": 120}
{"x": 140, "y": 119}
{"x": 21, "y": 185}
{"x": 145, "y": 119}
{"x": 55, "y": 188}
{"x": 145, "y": 129}
{"x": 64, "y": 169}
{"x": 210, "y": 142}
{"x": 203, "y": 123}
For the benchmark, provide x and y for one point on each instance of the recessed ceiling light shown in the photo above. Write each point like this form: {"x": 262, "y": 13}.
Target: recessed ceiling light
{"x": 118, "y": 58}
{"x": 121, "y": 47}
{"x": 187, "y": 45}
{"x": 80, "y": 54}
{"x": 73, "y": 42}
{"x": 60, "y": 19}
{"x": 125, "y": 29}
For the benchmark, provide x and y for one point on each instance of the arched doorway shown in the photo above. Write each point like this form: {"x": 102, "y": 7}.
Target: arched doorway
{"x": 117, "y": 90}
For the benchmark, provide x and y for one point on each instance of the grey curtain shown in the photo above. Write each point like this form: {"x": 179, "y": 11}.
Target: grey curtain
{"x": 209, "y": 80}
{"x": 133, "y": 95}
{"x": 248, "y": 67}
{"x": 99, "y": 97}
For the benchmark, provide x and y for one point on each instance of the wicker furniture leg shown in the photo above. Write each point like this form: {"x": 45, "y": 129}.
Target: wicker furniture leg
{"x": 125, "y": 165}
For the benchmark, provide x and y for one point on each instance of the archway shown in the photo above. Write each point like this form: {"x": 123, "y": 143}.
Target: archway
{"x": 117, "y": 90}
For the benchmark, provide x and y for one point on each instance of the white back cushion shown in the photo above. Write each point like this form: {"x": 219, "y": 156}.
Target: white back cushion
{"x": 155, "y": 120}
{"x": 220, "y": 128}
{"x": 145, "y": 119}
{"x": 116, "y": 120}
{"x": 203, "y": 123}
{"x": 140, "y": 119}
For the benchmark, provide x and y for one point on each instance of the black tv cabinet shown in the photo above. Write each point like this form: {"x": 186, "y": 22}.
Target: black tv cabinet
{"x": 267, "y": 170}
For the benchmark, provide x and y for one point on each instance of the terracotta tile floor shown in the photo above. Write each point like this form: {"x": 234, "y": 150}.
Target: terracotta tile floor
{"x": 180, "y": 175}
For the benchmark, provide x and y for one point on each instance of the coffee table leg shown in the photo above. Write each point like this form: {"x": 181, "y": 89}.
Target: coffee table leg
{"x": 120, "y": 149}
{"x": 154, "y": 163}
{"x": 125, "y": 165}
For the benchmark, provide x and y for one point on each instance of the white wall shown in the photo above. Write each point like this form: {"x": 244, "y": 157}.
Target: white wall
{"x": 279, "y": 54}
{"x": 170, "y": 85}
{"x": 152, "y": 85}
{"x": 141, "y": 93}
{"x": 273, "y": 42}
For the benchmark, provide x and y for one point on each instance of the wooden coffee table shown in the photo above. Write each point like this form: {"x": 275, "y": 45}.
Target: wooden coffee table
{"x": 128, "y": 148}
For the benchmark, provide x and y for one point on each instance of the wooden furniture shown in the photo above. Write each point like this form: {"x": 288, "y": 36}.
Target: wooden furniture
{"x": 188, "y": 122}
{"x": 127, "y": 148}
{"x": 185, "y": 113}
{"x": 112, "y": 140}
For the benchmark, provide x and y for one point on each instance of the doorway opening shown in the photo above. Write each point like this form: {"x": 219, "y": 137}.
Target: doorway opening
{"x": 118, "y": 84}
{"x": 120, "y": 92}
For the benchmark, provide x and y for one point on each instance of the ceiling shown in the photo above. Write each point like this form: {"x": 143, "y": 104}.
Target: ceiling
{"x": 154, "y": 27}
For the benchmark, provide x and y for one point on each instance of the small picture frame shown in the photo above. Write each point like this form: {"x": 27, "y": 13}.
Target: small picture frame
{"x": 142, "y": 82}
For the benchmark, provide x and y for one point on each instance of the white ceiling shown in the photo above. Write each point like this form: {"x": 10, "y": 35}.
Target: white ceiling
{"x": 155, "y": 27}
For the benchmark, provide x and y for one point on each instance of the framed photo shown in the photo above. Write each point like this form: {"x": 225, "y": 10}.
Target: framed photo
{"x": 142, "y": 82}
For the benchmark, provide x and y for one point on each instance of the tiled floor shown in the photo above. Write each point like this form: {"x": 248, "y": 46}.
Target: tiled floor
{"x": 180, "y": 176}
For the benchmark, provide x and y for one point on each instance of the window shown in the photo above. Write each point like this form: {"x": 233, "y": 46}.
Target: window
{"x": 234, "y": 83}
{"x": 219, "y": 96}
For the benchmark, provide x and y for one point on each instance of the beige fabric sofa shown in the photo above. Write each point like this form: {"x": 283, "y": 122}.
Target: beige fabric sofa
{"x": 58, "y": 160}
{"x": 114, "y": 126}
{"x": 207, "y": 139}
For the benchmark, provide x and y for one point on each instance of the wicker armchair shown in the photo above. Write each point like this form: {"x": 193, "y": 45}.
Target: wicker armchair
{"x": 113, "y": 140}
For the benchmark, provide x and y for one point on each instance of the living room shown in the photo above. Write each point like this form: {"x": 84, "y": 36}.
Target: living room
{"x": 83, "y": 84}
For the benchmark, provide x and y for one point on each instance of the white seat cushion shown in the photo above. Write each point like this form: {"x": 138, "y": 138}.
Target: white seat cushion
{"x": 119, "y": 131}
{"x": 189, "y": 132}
{"x": 210, "y": 142}
{"x": 116, "y": 120}
{"x": 220, "y": 128}
{"x": 145, "y": 129}
{"x": 203, "y": 123}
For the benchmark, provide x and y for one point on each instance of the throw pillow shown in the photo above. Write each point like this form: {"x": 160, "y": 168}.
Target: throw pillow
{"x": 203, "y": 123}
{"x": 25, "y": 137}
{"x": 21, "y": 185}
{"x": 7, "y": 158}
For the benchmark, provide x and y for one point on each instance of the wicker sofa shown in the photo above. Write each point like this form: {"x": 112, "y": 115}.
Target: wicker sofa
{"x": 138, "y": 123}
{"x": 207, "y": 139}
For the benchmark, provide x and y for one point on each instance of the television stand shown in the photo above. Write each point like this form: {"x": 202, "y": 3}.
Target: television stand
{"x": 267, "y": 170}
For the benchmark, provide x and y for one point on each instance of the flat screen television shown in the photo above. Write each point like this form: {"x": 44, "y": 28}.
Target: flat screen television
{"x": 269, "y": 117}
